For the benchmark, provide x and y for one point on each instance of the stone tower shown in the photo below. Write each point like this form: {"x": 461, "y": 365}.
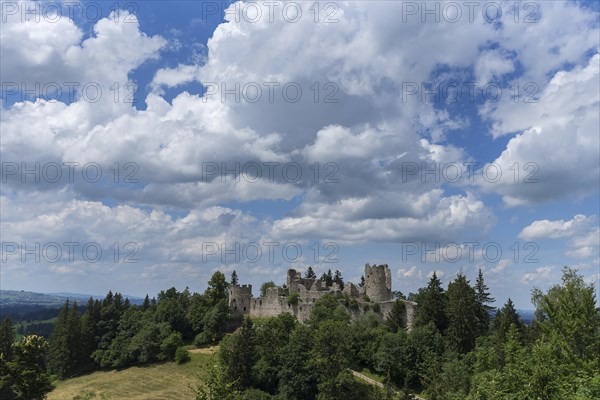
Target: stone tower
{"x": 239, "y": 299}
{"x": 378, "y": 283}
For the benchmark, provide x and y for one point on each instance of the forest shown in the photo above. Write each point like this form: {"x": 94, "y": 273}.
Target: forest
{"x": 459, "y": 347}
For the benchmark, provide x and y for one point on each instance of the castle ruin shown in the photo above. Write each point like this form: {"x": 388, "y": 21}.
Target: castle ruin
{"x": 300, "y": 294}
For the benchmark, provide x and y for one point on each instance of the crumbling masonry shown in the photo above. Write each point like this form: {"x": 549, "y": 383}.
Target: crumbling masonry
{"x": 374, "y": 296}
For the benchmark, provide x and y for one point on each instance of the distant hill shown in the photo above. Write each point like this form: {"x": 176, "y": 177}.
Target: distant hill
{"x": 75, "y": 295}
{"x": 21, "y": 297}
{"x": 527, "y": 315}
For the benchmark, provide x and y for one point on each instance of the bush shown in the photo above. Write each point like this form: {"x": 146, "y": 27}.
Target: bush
{"x": 202, "y": 340}
{"x": 169, "y": 346}
{"x": 182, "y": 355}
{"x": 346, "y": 299}
{"x": 376, "y": 307}
{"x": 293, "y": 299}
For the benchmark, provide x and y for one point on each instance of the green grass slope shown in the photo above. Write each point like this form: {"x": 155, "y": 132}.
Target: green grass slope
{"x": 167, "y": 381}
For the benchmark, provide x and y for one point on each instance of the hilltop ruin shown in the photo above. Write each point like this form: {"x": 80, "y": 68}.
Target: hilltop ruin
{"x": 300, "y": 294}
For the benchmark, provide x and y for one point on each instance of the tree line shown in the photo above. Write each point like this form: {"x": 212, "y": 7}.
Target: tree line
{"x": 112, "y": 333}
{"x": 459, "y": 347}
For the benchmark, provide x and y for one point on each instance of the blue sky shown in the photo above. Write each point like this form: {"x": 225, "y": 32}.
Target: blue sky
{"x": 357, "y": 163}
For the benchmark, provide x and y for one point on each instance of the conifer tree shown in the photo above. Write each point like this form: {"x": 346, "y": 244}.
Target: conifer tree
{"x": 110, "y": 314}
{"x": 396, "y": 319}
{"x": 146, "y": 303}
{"x": 432, "y": 304}
{"x": 234, "y": 278}
{"x": 462, "y": 311}
{"x": 7, "y": 338}
{"x": 339, "y": 279}
{"x": 65, "y": 349}
{"x": 89, "y": 333}
{"x": 506, "y": 317}
{"x": 362, "y": 281}
{"x": 310, "y": 273}
{"x": 327, "y": 278}
{"x": 484, "y": 299}
{"x": 27, "y": 370}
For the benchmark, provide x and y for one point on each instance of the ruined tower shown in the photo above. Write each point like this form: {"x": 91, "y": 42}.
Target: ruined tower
{"x": 295, "y": 281}
{"x": 378, "y": 282}
{"x": 240, "y": 298}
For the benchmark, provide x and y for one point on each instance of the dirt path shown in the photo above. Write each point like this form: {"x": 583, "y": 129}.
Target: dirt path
{"x": 374, "y": 382}
{"x": 205, "y": 350}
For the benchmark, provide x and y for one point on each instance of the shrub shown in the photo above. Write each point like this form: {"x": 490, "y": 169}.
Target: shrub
{"x": 293, "y": 299}
{"x": 169, "y": 346}
{"x": 376, "y": 307}
{"x": 346, "y": 299}
{"x": 182, "y": 355}
{"x": 201, "y": 340}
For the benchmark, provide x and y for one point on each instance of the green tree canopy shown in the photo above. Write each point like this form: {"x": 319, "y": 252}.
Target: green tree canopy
{"x": 484, "y": 299}
{"x": 462, "y": 311}
{"x": 265, "y": 286}
{"x": 432, "y": 305}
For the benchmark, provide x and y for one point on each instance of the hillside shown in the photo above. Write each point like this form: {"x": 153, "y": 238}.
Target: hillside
{"x": 23, "y": 297}
{"x": 10, "y": 297}
{"x": 167, "y": 381}
{"x": 159, "y": 381}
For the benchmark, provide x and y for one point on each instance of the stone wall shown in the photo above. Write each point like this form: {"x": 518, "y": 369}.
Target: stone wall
{"x": 386, "y": 307}
{"x": 378, "y": 287}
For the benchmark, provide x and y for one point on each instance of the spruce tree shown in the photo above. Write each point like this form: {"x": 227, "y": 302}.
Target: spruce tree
{"x": 89, "y": 333}
{"x": 362, "y": 281}
{"x": 110, "y": 314}
{"x": 310, "y": 273}
{"x": 338, "y": 279}
{"x": 234, "y": 278}
{"x": 65, "y": 349}
{"x": 431, "y": 305}
{"x": 506, "y": 317}
{"x": 327, "y": 278}
{"x": 484, "y": 299}
{"x": 146, "y": 303}
{"x": 462, "y": 311}
{"x": 396, "y": 319}
{"x": 7, "y": 338}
